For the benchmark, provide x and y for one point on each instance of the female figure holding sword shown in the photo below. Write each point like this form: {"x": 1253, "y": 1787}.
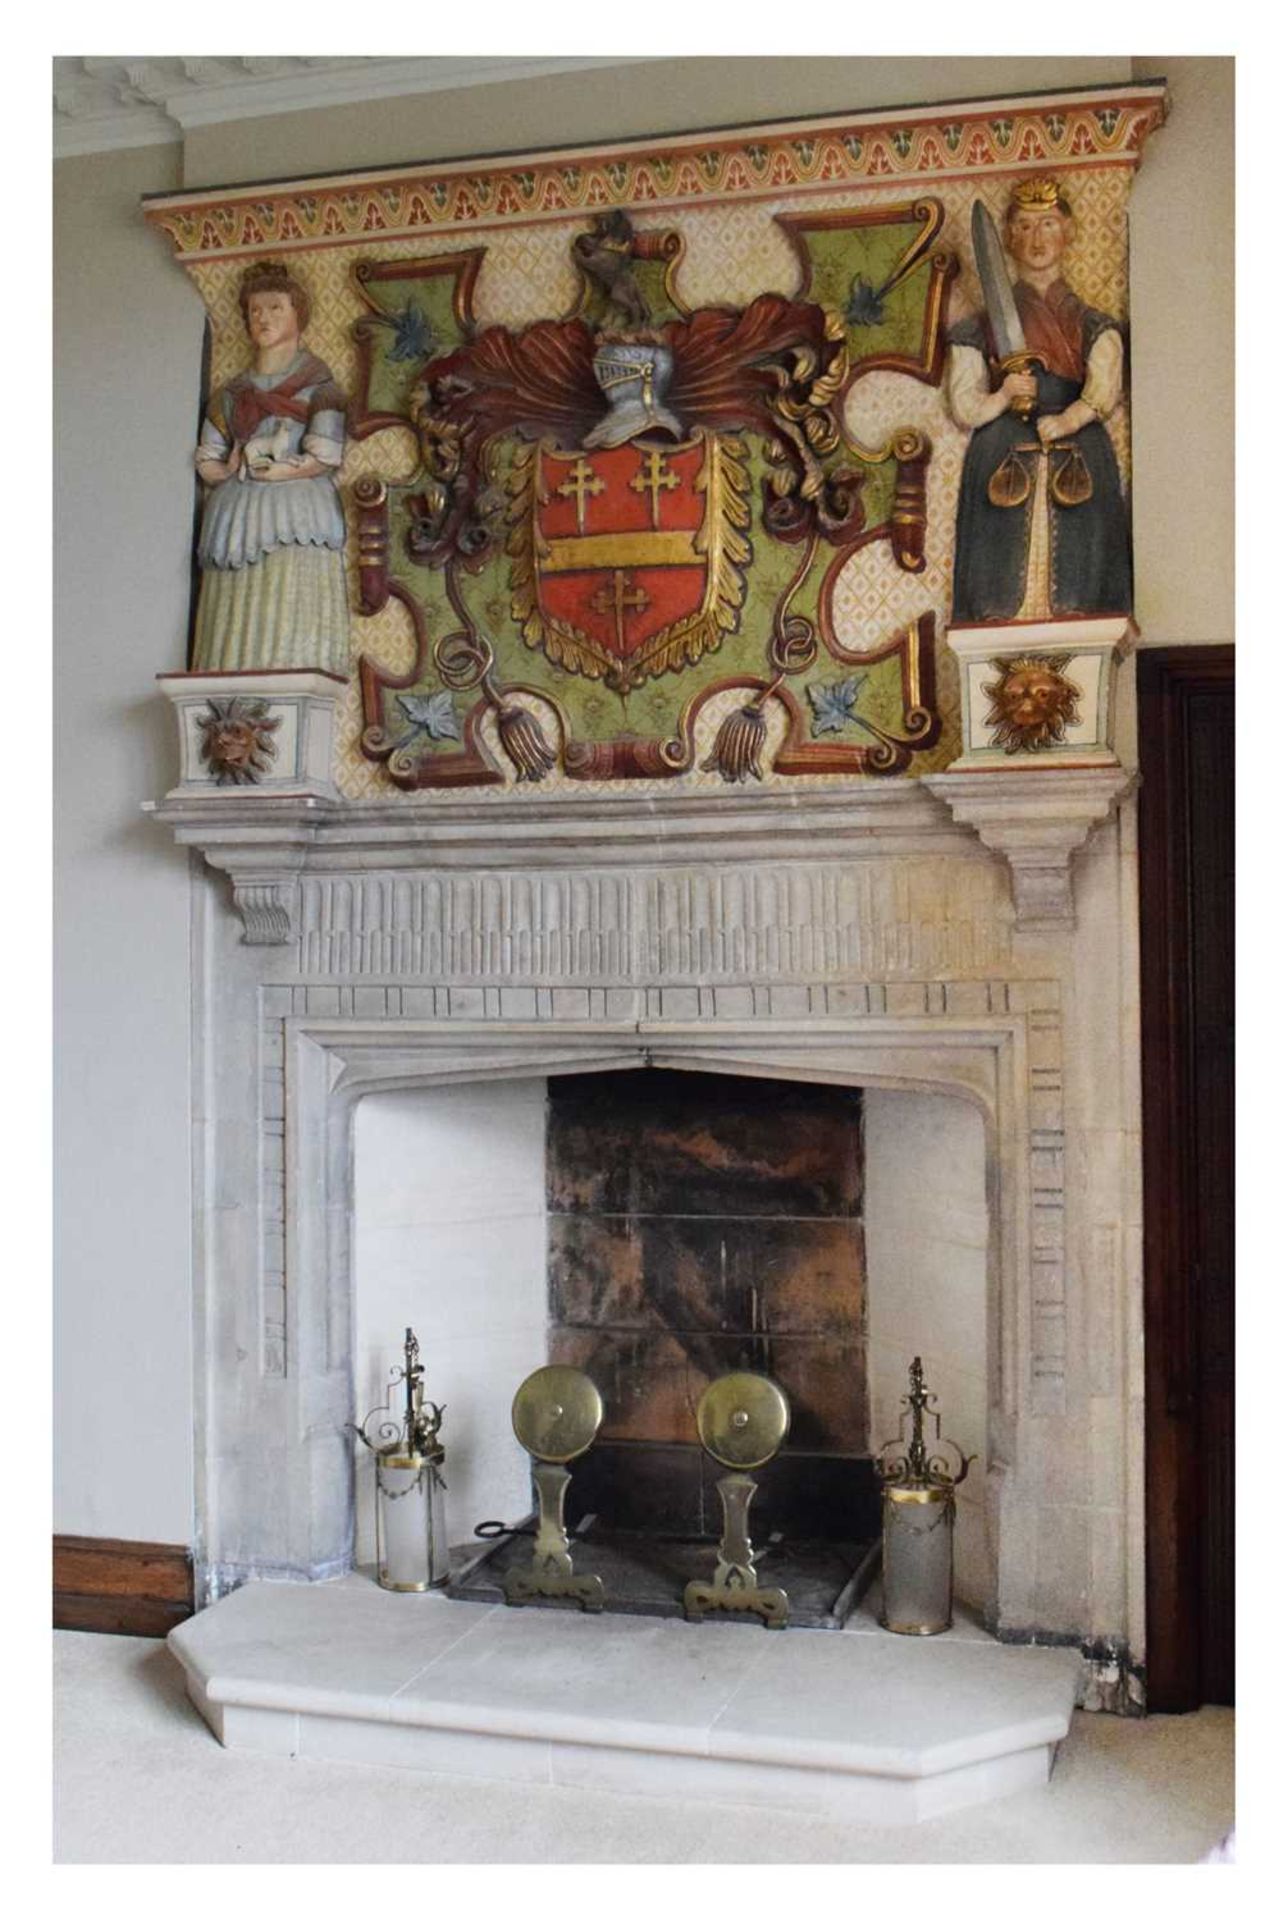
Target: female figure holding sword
{"x": 1042, "y": 527}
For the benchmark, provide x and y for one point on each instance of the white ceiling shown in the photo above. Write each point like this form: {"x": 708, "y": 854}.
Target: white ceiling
{"x": 145, "y": 101}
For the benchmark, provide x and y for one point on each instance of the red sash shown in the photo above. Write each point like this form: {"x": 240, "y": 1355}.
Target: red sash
{"x": 1052, "y": 325}
{"x": 251, "y": 404}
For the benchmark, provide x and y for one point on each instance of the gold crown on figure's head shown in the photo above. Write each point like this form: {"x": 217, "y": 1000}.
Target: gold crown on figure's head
{"x": 1040, "y": 195}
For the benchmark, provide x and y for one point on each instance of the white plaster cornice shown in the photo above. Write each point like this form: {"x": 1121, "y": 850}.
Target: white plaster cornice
{"x": 134, "y": 101}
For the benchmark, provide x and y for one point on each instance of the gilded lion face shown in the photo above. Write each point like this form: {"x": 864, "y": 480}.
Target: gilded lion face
{"x": 1033, "y": 702}
{"x": 232, "y": 746}
{"x": 237, "y": 741}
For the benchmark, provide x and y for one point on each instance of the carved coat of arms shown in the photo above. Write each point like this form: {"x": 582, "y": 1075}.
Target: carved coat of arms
{"x": 623, "y": 513}
{"x": 630, "y": 562}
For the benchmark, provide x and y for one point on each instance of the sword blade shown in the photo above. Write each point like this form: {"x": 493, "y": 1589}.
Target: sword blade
{"x": 995, "y": 281}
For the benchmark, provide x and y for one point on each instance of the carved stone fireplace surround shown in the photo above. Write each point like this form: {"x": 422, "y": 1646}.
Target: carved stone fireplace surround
{"x": 867, "y": 938}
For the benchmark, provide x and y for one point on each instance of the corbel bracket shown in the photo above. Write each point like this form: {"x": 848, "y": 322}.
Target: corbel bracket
{"x": 1037, "y": 818}
{"x": 262, "y": 844}
{"x": 267, "y": 903}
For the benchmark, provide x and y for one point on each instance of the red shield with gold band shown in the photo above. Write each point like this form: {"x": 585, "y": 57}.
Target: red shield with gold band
{"x": 628, "y": 560}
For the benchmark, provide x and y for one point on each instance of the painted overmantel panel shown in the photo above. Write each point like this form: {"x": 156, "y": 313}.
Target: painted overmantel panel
{"x": 819, "y": 507}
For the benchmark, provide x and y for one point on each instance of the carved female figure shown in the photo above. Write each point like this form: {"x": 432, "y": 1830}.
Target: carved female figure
{"x": 1042, "y": 525}
{"x": 273, "y": 591}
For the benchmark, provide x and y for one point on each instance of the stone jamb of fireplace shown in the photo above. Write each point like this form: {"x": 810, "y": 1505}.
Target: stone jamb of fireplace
{"x": 299, "y": 1397}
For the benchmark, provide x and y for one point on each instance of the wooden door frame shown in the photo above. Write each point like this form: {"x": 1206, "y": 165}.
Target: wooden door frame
{"x": 1166, "y": 678}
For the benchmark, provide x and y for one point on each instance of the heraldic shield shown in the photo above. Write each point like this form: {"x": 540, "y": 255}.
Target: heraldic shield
{"x": 629, "y": 562}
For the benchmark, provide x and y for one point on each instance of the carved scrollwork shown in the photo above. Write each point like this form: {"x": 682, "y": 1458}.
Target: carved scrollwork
{"x": 803, "y": 493}
{"x": 911, "y": 450}
{"x": 462, "y": 659}
{"x": 794, "y": 644}
{"x": 403, "y": 763}
{"x": 371, "y": 498}
{"x": 451, "y": 515}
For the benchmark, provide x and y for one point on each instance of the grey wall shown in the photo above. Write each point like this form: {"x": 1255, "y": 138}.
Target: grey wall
{"x": 127, "y": 346}
{"x": 1182, "y": 376}
{"x": 602, "y": 104}
{"x": 127, "y": 354}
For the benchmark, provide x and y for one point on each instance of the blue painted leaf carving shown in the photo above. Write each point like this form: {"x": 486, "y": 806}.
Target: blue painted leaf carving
{"x": 834, "y": 705}
{"x": 866, "y": 306}
{"x": 414, "y": 335}
{"x": 432, "y": 713}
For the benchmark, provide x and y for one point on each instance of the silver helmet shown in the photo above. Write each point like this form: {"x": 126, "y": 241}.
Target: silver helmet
{"x": 635, "y": 376}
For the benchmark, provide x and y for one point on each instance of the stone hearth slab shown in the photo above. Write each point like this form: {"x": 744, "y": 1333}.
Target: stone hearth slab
{"x": 860, "y": 1724}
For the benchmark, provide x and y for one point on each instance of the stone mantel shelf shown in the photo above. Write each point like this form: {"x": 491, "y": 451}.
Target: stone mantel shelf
{"x": 1036, "y": 817}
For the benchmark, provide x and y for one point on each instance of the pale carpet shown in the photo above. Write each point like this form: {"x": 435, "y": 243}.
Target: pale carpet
{"x": 139, "y": 1778}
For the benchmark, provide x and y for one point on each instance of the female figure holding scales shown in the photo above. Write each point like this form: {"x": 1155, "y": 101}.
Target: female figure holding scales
{"x": 1042, "y": 526}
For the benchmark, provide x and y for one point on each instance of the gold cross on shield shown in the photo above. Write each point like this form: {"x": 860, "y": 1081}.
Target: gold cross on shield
{"x": 582, "y": 483}
{"x": 653, "y": 476}
{"x": 618, "y": 600}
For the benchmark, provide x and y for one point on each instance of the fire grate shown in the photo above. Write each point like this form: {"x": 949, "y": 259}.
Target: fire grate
{"x": 647, "y": 1572}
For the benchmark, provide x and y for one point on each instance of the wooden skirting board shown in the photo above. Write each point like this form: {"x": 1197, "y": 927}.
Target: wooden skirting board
{"x": 120, "y": 1586}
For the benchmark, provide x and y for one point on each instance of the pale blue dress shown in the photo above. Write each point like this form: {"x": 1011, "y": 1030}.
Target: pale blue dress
{"x": 273, "y": 591}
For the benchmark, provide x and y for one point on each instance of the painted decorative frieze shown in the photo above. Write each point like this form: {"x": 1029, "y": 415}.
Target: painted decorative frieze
{"x": 691, "y": 463}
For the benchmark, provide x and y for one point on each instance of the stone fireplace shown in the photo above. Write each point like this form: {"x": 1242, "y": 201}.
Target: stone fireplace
{"x": 700, "y": 935}
{"x": 835, "y": 940}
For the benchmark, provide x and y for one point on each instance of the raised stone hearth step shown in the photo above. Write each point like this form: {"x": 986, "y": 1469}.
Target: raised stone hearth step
{"x": 859, "y": 1724}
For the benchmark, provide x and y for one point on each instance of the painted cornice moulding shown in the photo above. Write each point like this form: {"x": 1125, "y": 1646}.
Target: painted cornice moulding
{"x": 1096, "y": 127}
{"x": 103, "y": 104}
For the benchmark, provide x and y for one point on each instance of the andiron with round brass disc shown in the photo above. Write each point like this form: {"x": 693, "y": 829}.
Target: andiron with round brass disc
{"x": 743, "y": 1420}
{"x": 556, "y": 1414}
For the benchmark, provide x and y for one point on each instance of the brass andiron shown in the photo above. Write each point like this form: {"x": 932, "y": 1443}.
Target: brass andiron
{"x": 742, "y": 1422}
{"x": 411, "y": 1534}
{"x": 917, "y": 1508}
{"x": 556, "y": 1415}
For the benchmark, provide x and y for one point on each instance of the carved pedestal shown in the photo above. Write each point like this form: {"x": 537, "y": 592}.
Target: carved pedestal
{"x": 268, "y": 730}
{"x": 1040, "y": 692}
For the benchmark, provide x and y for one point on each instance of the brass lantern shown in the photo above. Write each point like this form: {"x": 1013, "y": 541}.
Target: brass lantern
{"x": 411, "y": 1531}
{"x": 917, "y": 1512}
